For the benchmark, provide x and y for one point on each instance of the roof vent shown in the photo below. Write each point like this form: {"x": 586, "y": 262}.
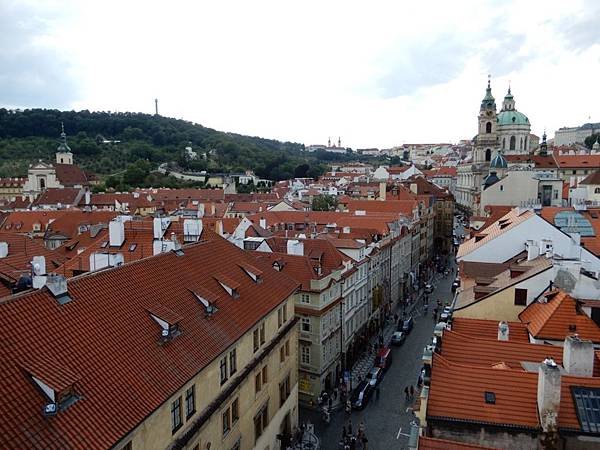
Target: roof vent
{"x": 252, "y": 272}
{"x": 490, "y": 397}
{"x": 57, "y": 285}
{"x": 231, "y": 286}
{"x": 168, "y": 321}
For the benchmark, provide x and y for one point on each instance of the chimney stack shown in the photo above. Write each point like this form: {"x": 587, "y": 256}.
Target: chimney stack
{"x": 578, "y": 356}
{"x": 533, "y": 250}
{"x": 548, "y": 395}
{"x": 116, "y": 233}
{"x": 503, "y": 331}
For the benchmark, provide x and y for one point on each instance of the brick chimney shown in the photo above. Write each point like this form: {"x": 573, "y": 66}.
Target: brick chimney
{"x": 548, "y": 395}
{"x": 503, "y": 331}
{"x": 578, "y": 356}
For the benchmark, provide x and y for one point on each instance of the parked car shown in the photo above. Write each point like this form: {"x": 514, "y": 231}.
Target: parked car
{"x": 398, "y": 338}
{"x": 374, "y": 376}
{"x": 446, "y": 313}
{"x": 428, "y": 288}
{"x": 361, "y": 395}
{"x": 383, "y": 359}
{"x": 407, "y": 326}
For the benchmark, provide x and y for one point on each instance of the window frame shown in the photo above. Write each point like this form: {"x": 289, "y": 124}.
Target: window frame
{"x": 520, "y": 297}
{"x": 190, "y": 393}
{"x": 176, "y": 409}
{"x": 223, "y": 370}
{"x": 305, "y": 325}
{"x": 232, "y": 362}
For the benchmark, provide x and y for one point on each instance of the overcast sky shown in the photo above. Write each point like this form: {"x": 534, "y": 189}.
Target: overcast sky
{"x": 378, "y": 74}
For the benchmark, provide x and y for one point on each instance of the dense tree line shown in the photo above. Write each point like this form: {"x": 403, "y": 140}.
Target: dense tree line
{"x": 125, "y": 148}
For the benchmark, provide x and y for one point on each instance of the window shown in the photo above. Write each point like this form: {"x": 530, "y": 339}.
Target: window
{"x": 287, "y": 348}
{"x": 305, "y": 298}
{"x": 232, "y": 362}
{"x": 305, "y": 356}
{"x": 128, "y": 446}
{"x": 176, "y": 420}
{"x": 488, "y": 127}
{"x": 262, "y": 334}
{"x": 597, "y": 190}
{"x": 257, "y": 383}
{"x": 260, "y": 379}
{"x": 261, "y": 420}
{"x": 520, "y": 297}
{"x": 226, "y": 422}
{"x": 223, "y": 370}
{"x": 284, "y": 390}
{"x": 235, "y": 411}
{"x": 306, "y": 324}
{"x": 190, "y": 401}
{"x": 265, "y": 377}
{"x": 574, "y": 172}
{"x": 488, "y": 154}
{"x": 513, "y": 142}
{"x": 282, "y": 354}
{"x": 279, "y": 318}
{"x": 284, "y": 308}
{"x": 256, "y": 339}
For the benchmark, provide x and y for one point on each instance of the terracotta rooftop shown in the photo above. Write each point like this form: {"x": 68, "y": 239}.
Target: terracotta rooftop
{"x": 558, "y": 316}
{"x": 506, "y": 223}
{"x": 488, "y": 329}
{"x": 577, "y": 161}
{"x": 592, "y": 214}
{"x": 24, "y": 221}
{"x": 70, "y": 175}
{"x": 114, "y": 343}
{"x": 429, "y": 443}
{"x": 593, "y": 178}
{"x": 63, "y": 196}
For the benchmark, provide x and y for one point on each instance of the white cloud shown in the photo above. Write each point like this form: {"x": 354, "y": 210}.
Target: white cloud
{"x": 376, "y": 74}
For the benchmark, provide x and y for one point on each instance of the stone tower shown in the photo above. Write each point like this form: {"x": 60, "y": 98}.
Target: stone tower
{"x": 486, "y": 142}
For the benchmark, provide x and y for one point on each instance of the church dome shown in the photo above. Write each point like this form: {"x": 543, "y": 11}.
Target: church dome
{"x": 490, "y": 179}
{"x": 512, "y": 118}
{"x": 499, "y": 162}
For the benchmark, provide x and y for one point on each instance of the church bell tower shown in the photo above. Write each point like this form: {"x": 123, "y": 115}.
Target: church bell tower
{"x": 486, "y": 142}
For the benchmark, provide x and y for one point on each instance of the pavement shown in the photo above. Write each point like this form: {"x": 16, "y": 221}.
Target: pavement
{"x": 387, "y": 419}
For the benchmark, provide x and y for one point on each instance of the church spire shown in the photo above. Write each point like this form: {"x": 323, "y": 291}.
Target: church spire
{"x": 544, "y": 145}
{"x": 488, "y": 102}
{"x": 63, "y": 146}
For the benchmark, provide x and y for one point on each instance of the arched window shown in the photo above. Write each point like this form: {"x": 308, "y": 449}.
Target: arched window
{"x": 503, "y": 143}
{"x": 597, "y": 190}
{"x": 488, "y": 127}
{"x": 42, "y": 183}
{"x": 488, "y": 154}
{"x": 526, "y": 148}
{"x": 521, "y": 143}
{"x": 513, "y": 142}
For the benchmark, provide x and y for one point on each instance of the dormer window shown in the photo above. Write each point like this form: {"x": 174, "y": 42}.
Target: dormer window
{"x": 207, "y": 301}
{"x": 252, "y": 272}
{"x": 56, "y": 382}
{"x": 167, "y": 320}
{"x": 230, "y": 286}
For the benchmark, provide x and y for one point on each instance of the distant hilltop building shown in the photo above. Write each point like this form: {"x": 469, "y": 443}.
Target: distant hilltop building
{"x": 575, "y": 135}
{"x": 331, "y": 147}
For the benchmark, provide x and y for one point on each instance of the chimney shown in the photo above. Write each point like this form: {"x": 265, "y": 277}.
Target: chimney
{"x": 295, "y": 247}
{"x": 578, "y": 356}
{"x": 213, "y": 209}
{"x": 3, "y": 249}
{"x": 57, "y": 285}
{"x": 382, "y": 190}
{"x": 116, "y": 233}
{"x": 503, "y": 331}
{"x": 219, "y": 227}
{"x": 533, "y": 250}
{"x": 548, "y": 394}
{"x": 192, "y": 229}
{"x": 88, "y": 197}
{"x": 200, "y": 210}
{"x": 38, "y": 272}
{"x": 263, "y": 223}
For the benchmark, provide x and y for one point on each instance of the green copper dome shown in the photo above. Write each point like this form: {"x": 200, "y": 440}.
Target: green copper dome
{"x": 512, "y": 118}
{"x": 498, "y": 162}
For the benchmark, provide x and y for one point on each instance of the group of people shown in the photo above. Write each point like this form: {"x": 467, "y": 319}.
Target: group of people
{"x": 409, "y": 392}
{"x": 351, "y": 441}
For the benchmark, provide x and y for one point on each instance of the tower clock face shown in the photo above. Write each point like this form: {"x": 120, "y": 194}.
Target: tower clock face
{"x": 489, "y": 113}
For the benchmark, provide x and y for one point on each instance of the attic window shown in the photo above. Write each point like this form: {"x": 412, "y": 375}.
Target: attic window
{"x": 168, "y": 321}
{"x": 210, "y": 307}
{"x": 252, "y": 272}
{"x": 229, "y": 285}
{"x": 490, "y": 397}
{"x": 132, "y": 247}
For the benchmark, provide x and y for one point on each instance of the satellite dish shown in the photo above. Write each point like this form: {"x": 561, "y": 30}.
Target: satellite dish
{"x": 165, "y": 332}
{"x": 50, "y": 409}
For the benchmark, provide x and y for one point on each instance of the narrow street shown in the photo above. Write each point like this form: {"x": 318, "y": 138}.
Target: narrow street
{"x": 387, "y": 419}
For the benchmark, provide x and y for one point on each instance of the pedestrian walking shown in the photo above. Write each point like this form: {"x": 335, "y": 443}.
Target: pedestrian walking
{"x": 406, "y": 393}
{"x": 412, "y": 391}
{"x": 348, "y": 407}
{"x": 361, "y": 428}
{"x": 364, "y": 441}
{"x": 349, "y": 427}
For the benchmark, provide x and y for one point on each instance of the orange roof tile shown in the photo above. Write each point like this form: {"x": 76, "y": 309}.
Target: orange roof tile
{"x": 557, "y": 318}
{"x": 429, "y": 443}
{"x": 113, "y": 344}
{"x": 488, "y": 329}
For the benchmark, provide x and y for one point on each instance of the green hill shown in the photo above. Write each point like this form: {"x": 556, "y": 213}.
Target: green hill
{"x": 145, "y": 141}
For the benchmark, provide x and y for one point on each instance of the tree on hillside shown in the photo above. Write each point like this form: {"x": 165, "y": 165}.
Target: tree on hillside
{"x": 590, "y": 140}
{"x": 324, "y": 203}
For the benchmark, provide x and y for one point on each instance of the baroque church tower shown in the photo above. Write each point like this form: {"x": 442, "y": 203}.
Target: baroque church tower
{"x": 486, "y": 142}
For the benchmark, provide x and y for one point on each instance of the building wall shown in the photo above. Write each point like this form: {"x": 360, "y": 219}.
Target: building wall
{"x": 487, "y": 436}
{"x": 513, "y": 190}
{"x": 156, "y": 431}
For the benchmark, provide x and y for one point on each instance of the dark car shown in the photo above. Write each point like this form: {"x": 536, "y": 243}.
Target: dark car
{"x": 374, "y": 376}
{"x": 407, "y": 325}
{"x": 398, "y": 338}
{"x": 361, "y": 395}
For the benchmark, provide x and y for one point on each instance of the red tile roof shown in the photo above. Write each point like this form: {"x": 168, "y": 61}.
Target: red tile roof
{"x": 69, "y": 224}
{"x": 577, "y": 161}
{"x": 558, "y": 317}
{"x": 70, "y": 175}
{"x": 23, "y": 221}
{"x": 63, "y": 196}
{"x": 488, "y": 329}
{"x": 113, "y": 343}
{"x": 405, "y": 207}
{"x": 429, "y": 443}
{"x": 593, "y": 178}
